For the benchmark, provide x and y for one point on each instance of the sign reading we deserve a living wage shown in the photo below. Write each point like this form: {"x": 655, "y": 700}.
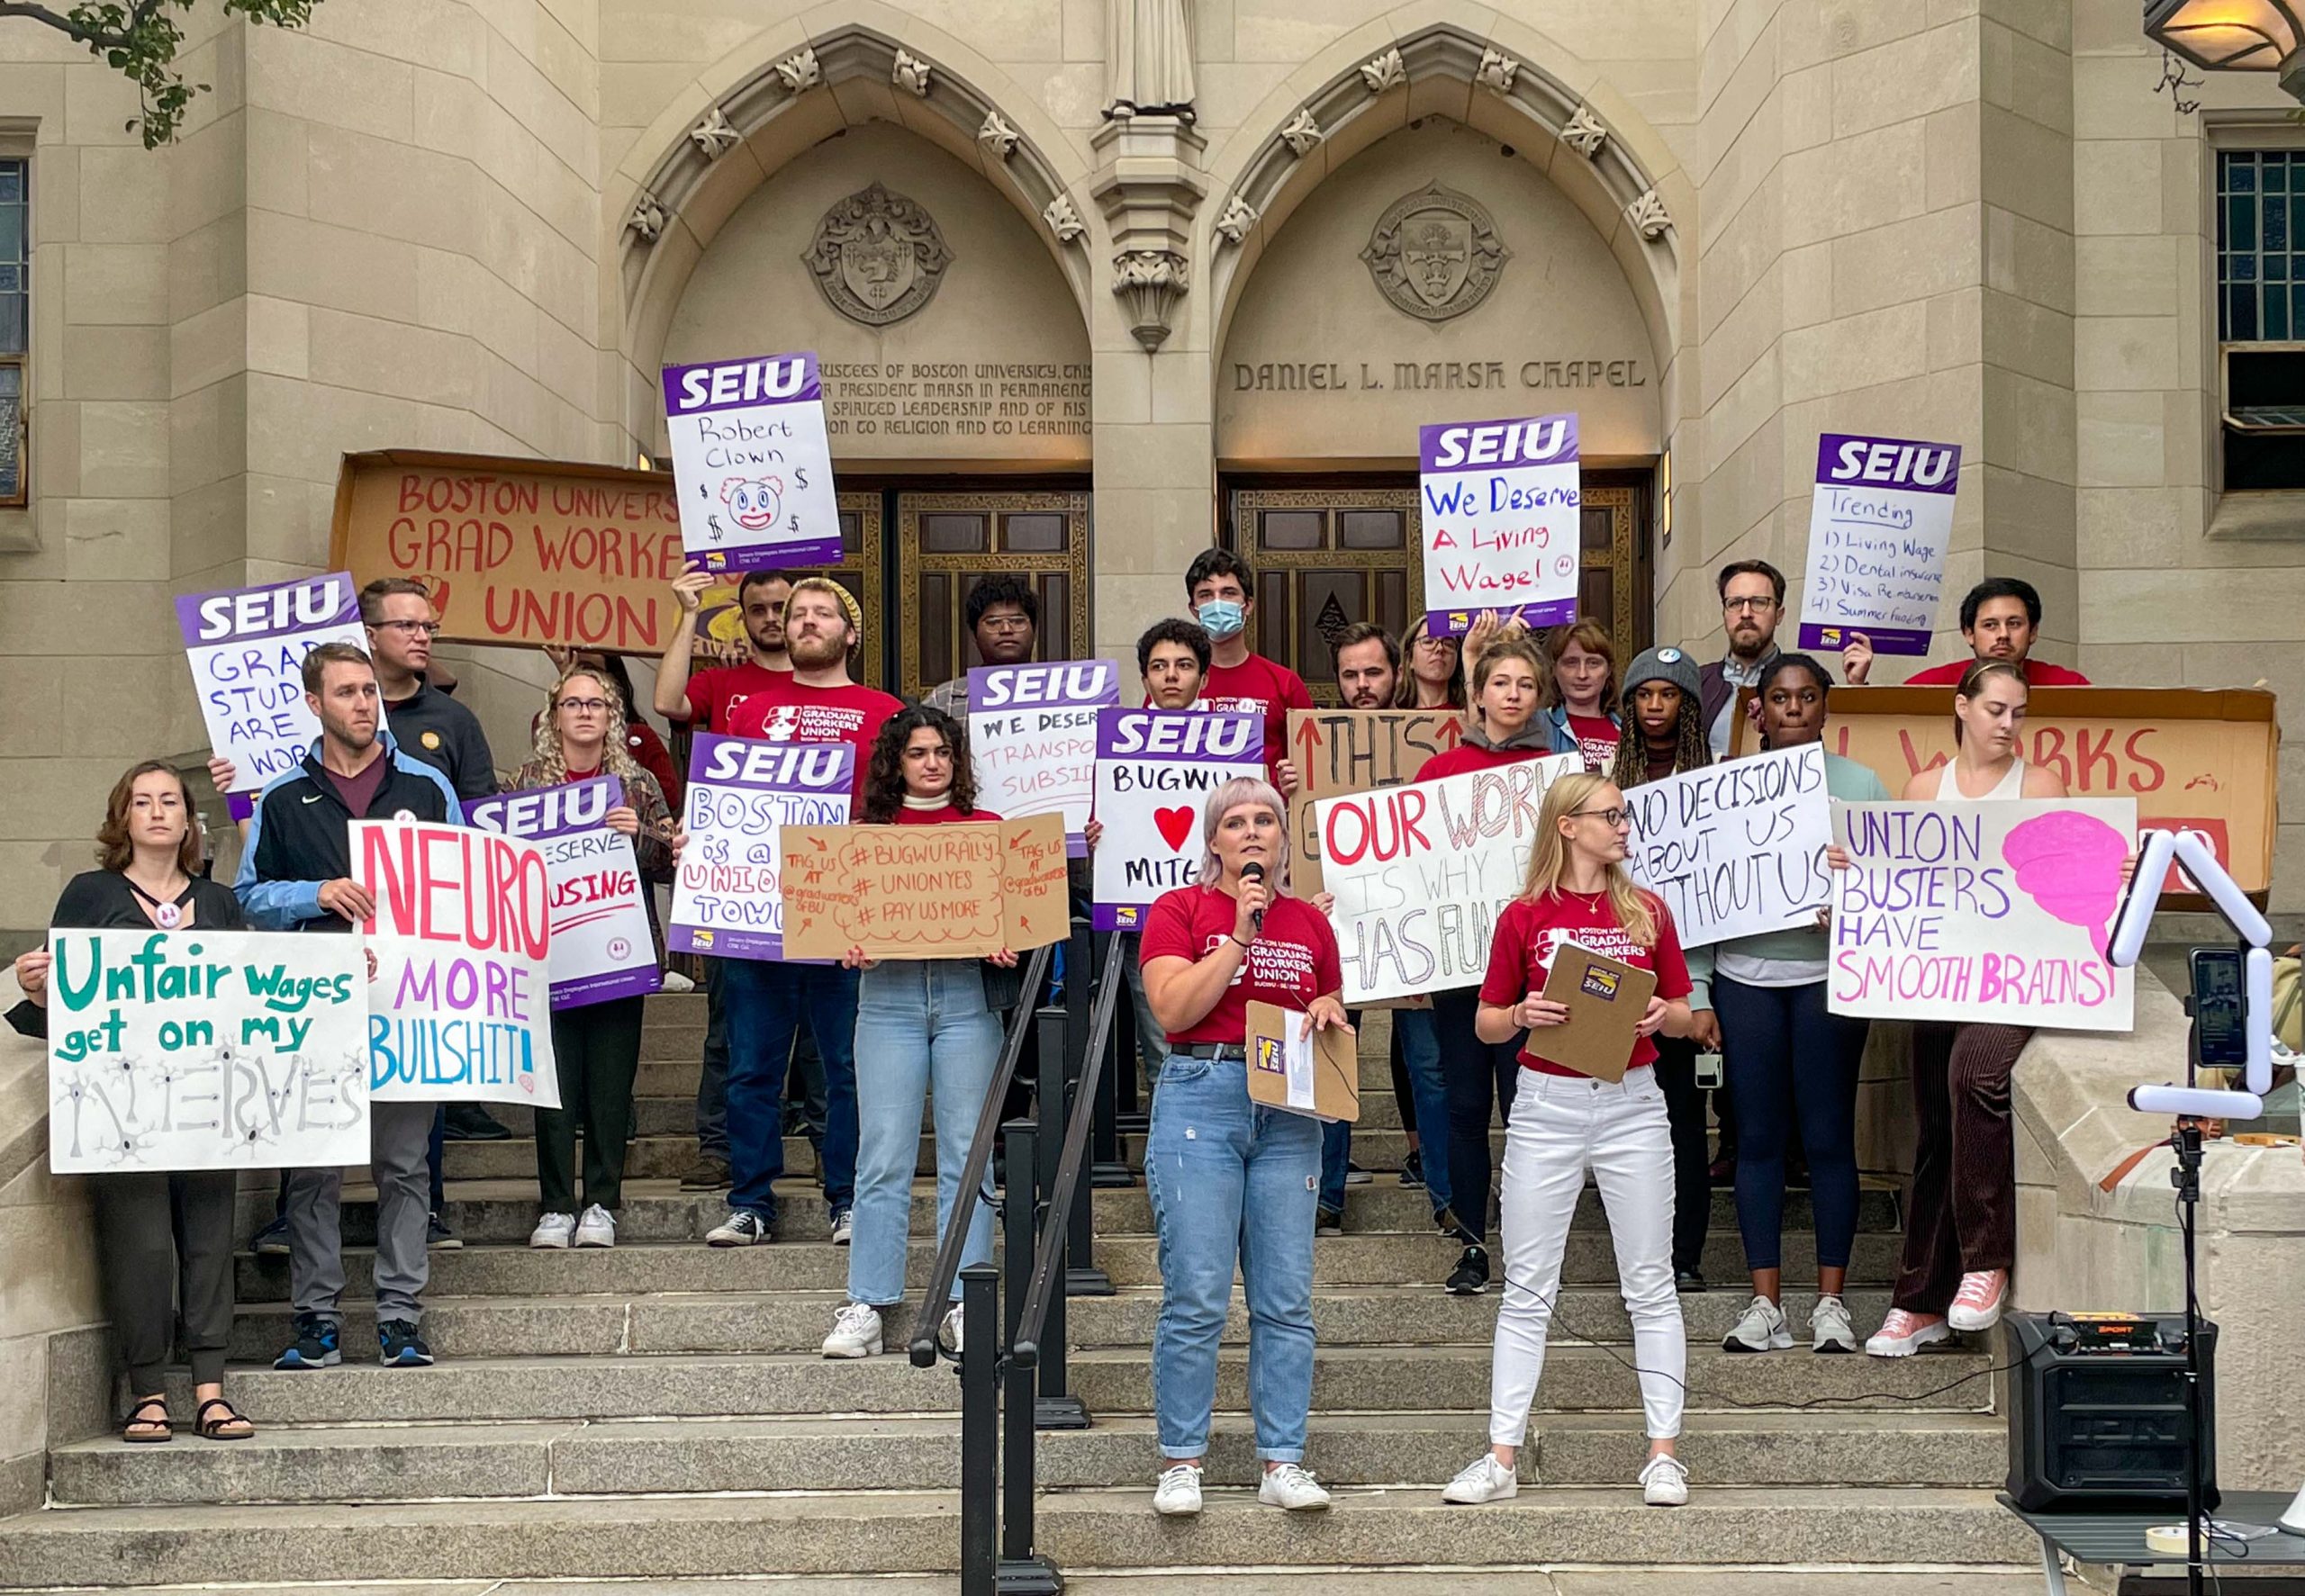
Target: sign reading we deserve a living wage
{"x": 1500, "y": 521}
{"x": 1033, "y": 739}
{"x": 726, "y": 895}
{"x": 246, "y": 647}
{"x": 750, "y": 459}
{"x": 1878, "y": 528}
{"x": 601, "y": 948}
{"x": 1155, "y": 769}
{"x": 1737, "y": 848}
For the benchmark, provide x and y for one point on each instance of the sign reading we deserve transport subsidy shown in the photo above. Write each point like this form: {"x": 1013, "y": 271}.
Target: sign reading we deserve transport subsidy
{"x": 1737, "y": 848}
{"x": 601, "y": 943}
{"x": 1033, "y": 739}
{"x": 726, "y": 899}
{"x": 1421, "y": 872}
{"x": 1999, "y": 912}
{"x": 1500, "y": 521}
{"x": 247, "y": 648}
{"x": 205, "y": 1049}
{"x": 1155, "y": 769}
{"x": 460, "y": 1008}
{"x": 754, "y": 470}
{"x": 958, "y": 890}
{"x": 1878, "y": 528}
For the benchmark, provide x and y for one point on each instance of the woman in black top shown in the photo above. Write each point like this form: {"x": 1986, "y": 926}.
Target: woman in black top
{"x": 160, "y": 1233}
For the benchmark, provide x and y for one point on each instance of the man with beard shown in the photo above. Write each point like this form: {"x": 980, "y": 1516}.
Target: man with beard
{"x": 2001, "y": 619}
{"x": 1752, "y": 602}
{"x": 1004, "y": 617}
{"x": 705, "y": 701}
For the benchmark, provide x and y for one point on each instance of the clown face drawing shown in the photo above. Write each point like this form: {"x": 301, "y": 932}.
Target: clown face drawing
{"x": 753, "y": 504}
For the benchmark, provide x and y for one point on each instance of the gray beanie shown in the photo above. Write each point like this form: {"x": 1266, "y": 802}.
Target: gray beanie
{"x": 1664, "y": 664}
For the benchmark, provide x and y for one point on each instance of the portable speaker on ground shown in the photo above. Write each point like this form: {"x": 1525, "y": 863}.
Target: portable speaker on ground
{"x": 2097, "y": 1412}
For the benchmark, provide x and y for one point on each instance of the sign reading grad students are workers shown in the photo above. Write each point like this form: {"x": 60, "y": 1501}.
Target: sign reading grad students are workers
{"x": 1033, "y": 739}
{"x": 1421, "y": 872}
{"x": 1500, "y": 519}
{"x": 752, "y": 464}
{"x": 726, "y": 899}
{"x": 201, "y": 1050}
{"x": 460, "y": 1010}
{"x": 1878, "y": 527}
{"x": 601, "y": 947}
{"x": 1737, "y": 848}
{"x": 246, "y": 647}
{"x": 1997, "y": 911}
{"x": 1155, "y": 769}
{"x": 960, "y": 890}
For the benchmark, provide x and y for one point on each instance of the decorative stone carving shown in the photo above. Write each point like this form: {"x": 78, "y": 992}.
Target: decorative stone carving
{"x": 1148, "y": 282}
{"x": 1496, "y": 72}
{"x": 1302, "y": 132}
{"x": 1436, "y": 254}
{"x": 910, "y": 72}
{"x": 1238, "y": 218}
{"x": 647, "y": 217}
{"x": 996, "y": 136}
{"x": 1648, "y": 214}
{"x": 714, "y": 136}
{"x": 800, "y": 71}
{"x": 1385, "y": 72}
{"x": 1062, "y": 218}
{"x": 1585, "y": 134}
{"x": 877, "y": 257}
{"x": 1148, "y": 59}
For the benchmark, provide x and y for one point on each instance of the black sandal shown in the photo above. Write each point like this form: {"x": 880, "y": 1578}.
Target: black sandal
{"x": 137, "y": 1420}
{"x": 212, "y": 1430}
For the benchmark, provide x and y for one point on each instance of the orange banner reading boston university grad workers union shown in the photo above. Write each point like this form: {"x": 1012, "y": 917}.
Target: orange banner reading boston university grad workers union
{"x": 956, "y": 891}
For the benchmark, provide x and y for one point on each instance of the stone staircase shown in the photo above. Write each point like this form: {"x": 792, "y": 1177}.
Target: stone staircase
{"x": 659, "y": 1412}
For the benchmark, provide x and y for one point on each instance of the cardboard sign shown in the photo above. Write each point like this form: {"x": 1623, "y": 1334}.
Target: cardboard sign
{"x": 1500, "y": 523}
{"x": 1033, "y": 739}
{"x": 1354, "y": 751}
{"x": 246, "y": 647}
{"x": 959, "y": 890}
{"x": 1737, "y": 848}
{"x": 754, "y": 468}
{"x": 517, "y": 551}
{"x": 1605, "y": 998}
{"x": 2193, "y": 759}
{"x": 1317, "y": 1075}
{"x": 1420, "y": 873}
{"x": 1878, "y": 528}
{"x": 741, "y": 792}
{"x": 460, "y": 1008}
{"x": 1998, "y": 912}
{"x": 601, "y": 947}
{"x": 205, "y": 1049}
{"x": 1155, "y": 769}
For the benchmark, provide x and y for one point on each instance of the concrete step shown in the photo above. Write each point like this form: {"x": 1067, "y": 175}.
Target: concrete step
{"x": 913, "y": 1532}
{"x": 1965, "y": 1580}
{"x": 429, "y": 1463}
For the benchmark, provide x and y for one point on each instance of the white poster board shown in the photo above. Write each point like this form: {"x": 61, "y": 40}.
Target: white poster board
{"x": 751, "y": 464}
{"x": 247, "y": 648}
{"x": 1737, "y": 848}
{"x": 1500, "y": 522}
{"x": 1879, "y": 523}
{"x": 1155, "y": 770}
{"x": 601, "y": 946}
{"x": 1033, "y": 739}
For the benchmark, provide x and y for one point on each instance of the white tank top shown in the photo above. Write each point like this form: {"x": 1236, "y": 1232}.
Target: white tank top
{"x": 2010, "y": 785}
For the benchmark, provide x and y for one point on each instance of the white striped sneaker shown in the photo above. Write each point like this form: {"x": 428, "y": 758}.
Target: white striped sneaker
{"x": 1761, "y": 1329}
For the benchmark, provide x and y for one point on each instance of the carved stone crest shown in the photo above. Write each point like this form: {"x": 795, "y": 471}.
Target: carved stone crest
{"x": 1436, "y": 254}
{"x": 877, "y": 257}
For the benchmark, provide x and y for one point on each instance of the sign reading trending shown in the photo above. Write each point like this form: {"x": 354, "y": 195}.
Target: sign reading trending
{"x": 246, "y": 647}
{"x": 1878, "y": 528}
{"x": 601, "y": 947}
{"x": 1998, "y": 912}
{"x": 1500, "y": 519}
{"x": 1736, "y": 849}
{"x": 1033, "y": 739}
{"x": 741, "y": 794}
{"x": 750, "y": 462}
{"x": 200, "y": 1050}
{"x": 1155, "y": 769}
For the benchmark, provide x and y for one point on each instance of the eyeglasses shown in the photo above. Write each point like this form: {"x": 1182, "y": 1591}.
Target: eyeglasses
{"x": 1611, "y": 818}
{"x": 1004, "y": 623}
{"x": 1731, "y": 606}
{"x": 410, "y": 627}
{"x": 586, "y": 706}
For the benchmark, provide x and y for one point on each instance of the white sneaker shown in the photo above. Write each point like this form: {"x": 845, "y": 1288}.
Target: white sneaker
{"x": 1177, "y": 1495}
{"x": 1761, "y": 1329}
{"x": 554, "y": 1230}
{"x": 950, "y": 1334}
{"x": 1829, "y": 1329}
{"x": 855, "y": 1331}
{"x": 597, "y": 1228}
{"x": 1484, "y": 1479}
{"x": 1665, "y": 1482}
{"x": 1904, "y": 1333}
{"x": 1288, "y": 1485}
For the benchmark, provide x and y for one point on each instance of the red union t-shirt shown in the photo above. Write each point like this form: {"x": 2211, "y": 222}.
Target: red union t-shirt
{"x": 1257, "y": 686}
{"x": 2038, "y": 673}
{"x": 788, "y": 711}
{"x": 942, "y": 815}
{"x": 1293, "y": 960}
{"x": 1465, "y": 756}
{"x": 714, "y": 695}
{"x": 1597, "y": 740}
{"x": 1528, "y": 931}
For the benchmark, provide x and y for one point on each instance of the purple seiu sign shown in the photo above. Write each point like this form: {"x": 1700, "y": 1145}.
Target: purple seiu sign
{"x": 1033, "y": 739}
{"x": 1500, "y": 521}
{"x": 247, "y": 648}
{"x": 726, "y": 899}
{"x": 1878, "y": 528}
{"x": 1155, "y": 771}
{"x": 751, "y": 463}
{"x": 601, "y": 944}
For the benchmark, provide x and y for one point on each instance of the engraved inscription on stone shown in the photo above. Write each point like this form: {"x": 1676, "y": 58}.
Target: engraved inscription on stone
{"x": 1436, "y": 254}
{"x": 956, "y": 399}
{"x": 877, "y": 257}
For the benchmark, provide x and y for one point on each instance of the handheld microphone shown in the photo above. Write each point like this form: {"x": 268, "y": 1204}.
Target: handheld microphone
{"x": 1253, "y": 871}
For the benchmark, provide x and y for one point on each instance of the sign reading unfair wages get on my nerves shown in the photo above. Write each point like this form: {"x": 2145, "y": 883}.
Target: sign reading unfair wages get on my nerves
{"x": 1155, "y": 770}
{"x": 1500, "y": 521}
{"x": 601, "y": 947}
{"x": 726, "y": 898}
{"x": 754, "y": 468}
{"x": 246, "y": 647}
{"x": 1033, "y": 739}
{"x": 1737, "y": 848}
{"x": 959, "y": 890}
{"x": 1878, "y": 528}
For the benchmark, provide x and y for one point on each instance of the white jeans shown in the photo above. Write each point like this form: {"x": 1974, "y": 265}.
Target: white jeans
{"x": 1562, "y": 1126}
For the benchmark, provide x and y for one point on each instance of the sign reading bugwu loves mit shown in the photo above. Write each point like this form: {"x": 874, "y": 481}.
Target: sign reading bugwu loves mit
{"x": 1500, "y": 521}
{"x": 1155, "y": 769}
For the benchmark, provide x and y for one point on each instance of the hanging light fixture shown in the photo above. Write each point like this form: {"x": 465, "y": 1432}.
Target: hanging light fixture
{"x": 2234, "y": 36}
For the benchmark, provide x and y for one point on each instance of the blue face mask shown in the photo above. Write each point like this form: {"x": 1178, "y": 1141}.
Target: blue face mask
{"x": 1222, "y": 618}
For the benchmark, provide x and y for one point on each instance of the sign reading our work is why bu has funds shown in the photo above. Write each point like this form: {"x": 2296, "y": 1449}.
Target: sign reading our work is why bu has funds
{"x": 750, "y": 459}
{"x": 1500, "y": 521}
{"x": 246, "y": 647}
{"x": 1878, "y": 528}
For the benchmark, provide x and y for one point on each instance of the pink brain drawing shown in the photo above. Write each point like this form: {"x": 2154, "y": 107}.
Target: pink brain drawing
{"x": 2070, "y": 863}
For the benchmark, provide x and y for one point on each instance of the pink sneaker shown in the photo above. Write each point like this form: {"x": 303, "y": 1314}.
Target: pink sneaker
{"x": 1904, "y": 1333}
{"x": 1977, "y": 1305}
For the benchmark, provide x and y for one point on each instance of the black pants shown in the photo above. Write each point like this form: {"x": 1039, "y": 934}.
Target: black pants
{"x": 161, "y": 1237}
{"x": 1792, "y": 1068}
{"x": 1481, "y": 1077}
{"x": 1961, "y": 1209}
{"x": 1685, "y": 1109}
{"x": 1402, "y": 1092}
{"x": 712, "y": 1077}
{"x": 598, "y": 1050}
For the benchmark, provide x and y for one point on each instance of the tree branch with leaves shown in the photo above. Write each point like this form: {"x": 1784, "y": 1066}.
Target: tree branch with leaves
{"x": 140, "y": 38}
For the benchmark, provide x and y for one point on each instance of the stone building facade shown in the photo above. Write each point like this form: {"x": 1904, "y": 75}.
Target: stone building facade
{"x": 1084, "y": 346}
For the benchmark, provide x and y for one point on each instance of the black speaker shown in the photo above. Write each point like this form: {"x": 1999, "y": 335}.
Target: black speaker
{"x": 2097, "y": 1412}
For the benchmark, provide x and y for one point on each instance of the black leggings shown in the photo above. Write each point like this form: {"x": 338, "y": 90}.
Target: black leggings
{"x": 1792, "y": 1065}
{"x": 597, "y": 1048}
{"x": 1481, "y": 1077}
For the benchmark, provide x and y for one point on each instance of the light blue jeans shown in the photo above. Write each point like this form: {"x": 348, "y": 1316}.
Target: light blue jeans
{"x": 922, "y": 1032}
{"x": 1229, "y": 1180}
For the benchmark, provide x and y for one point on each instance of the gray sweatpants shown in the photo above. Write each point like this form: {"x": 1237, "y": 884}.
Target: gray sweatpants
{"x": 398, "y": 1133}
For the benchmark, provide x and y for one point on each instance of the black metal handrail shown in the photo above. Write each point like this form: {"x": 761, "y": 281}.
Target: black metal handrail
{"x": 947, "y": 1268}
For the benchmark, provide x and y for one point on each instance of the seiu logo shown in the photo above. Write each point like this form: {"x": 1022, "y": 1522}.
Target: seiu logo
{"x": 1184, "y": 732}
{"x": 778, "y": 765}
{"x": 1071, "y": 682}
{"x": 1502, "y": 443}
{"x": 1877, "y": 460}
{"x": 743, "y": 382}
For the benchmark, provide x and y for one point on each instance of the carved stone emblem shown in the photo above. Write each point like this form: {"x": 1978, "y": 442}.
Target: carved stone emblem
{"x": 877, "y": 257}
{"x": 800, "y": 70}
{"x": 1436, "y": 254}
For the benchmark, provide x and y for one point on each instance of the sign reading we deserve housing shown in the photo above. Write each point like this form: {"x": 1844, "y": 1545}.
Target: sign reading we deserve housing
{"x": 1878, "y": 528}
{"x": 1500, "y": 521}
{"x": 1737, "y": 848}
{"x": 1033, "y": 739}
{"x": 957, "y": 890}
{"x": 601, "y": 947}
{"x": 247, "y": 648}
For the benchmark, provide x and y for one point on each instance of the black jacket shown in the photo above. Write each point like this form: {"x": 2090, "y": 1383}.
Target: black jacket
{"x": 101, "y": 900}
{"x": 434, "y": 727}
{"x": 301, "y": 837}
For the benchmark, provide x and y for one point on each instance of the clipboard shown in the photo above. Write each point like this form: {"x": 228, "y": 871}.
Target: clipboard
{"x": 1605, "y": 999}
{"x": 1318, "y": 1074}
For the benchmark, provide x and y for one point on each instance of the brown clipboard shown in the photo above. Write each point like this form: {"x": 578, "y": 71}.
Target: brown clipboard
{"x": 1605, "y": 998}
{"x": 1334, "y": 1083}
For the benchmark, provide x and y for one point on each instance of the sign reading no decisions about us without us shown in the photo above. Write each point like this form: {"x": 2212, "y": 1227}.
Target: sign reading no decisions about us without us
{"x": 1878, "y": 528}
{"x": 1500, "y": 521}
{"x": 246, "y": 647}
{"x": 1737, "y": 848}
{"x": 742, "y": 793}
{"x": 1033, "y": 739}
{"x": 1155, "y": 769}
{"x": 750, "y": 459}
{"x": 601, "y": 947}
{"x": 198, "y": 1049}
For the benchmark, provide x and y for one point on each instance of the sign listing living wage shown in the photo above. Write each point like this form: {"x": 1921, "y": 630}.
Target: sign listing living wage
{"x": 1501, "y": 527}
{"x": 1878, "y": 528}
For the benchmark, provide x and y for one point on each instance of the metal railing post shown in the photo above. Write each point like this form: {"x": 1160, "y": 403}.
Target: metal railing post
{"x": 1023, "y": 1572}
{"x": 1106, "y": 1167}
{"x": 980, "y": 1431}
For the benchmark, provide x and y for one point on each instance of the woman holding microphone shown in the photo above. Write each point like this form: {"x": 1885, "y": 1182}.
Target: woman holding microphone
{"x": 1230, "y": 1179}
{"x": 1565, "y": 1125}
